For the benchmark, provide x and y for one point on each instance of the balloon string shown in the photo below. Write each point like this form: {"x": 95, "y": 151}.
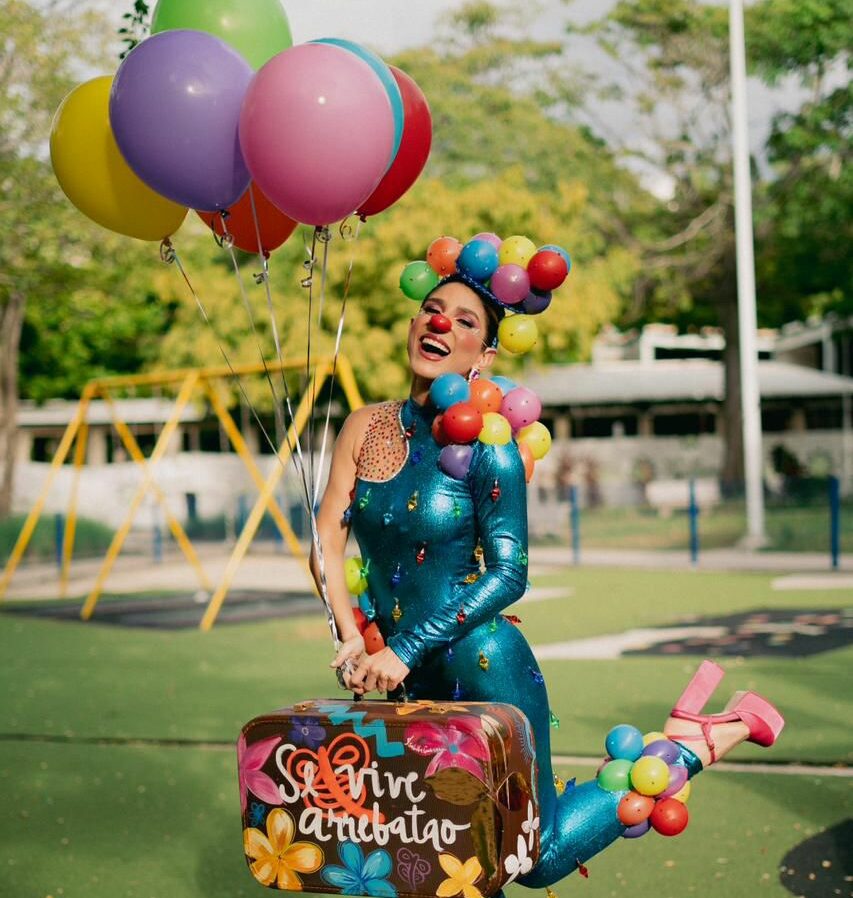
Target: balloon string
{"x": 338, "y": 337}
{"x": 309, "y": 264}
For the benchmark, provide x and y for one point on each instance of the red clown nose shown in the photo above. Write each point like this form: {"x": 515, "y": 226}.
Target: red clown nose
{"x": 440, "y": 324}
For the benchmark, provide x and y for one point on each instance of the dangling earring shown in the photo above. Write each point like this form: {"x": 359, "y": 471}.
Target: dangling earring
{"x": 473, "y": 374}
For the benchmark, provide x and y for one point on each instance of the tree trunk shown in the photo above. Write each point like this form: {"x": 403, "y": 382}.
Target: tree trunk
{"x": 11, "y": 320}
{"x": 732, "y": 470}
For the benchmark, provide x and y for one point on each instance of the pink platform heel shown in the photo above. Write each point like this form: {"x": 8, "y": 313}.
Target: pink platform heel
{"x": 763, "y": 721}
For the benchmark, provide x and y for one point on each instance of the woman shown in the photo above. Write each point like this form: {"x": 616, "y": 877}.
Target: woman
{"x": 445, "y": 556}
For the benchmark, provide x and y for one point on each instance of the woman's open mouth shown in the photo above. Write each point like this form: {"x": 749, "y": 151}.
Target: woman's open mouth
{"x": 433, "y": 348}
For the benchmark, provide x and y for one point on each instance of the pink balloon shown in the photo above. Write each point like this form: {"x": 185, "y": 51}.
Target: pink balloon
{"x": 521, "y": 407}
{"x": 510, "y": 283}
{"x": 317, "y": 132}
{"x": 489, "y": 237}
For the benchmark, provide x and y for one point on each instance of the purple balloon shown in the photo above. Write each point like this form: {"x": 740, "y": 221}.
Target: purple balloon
{"x": 489, "y": 237}
{"x": 637, "y": 830}
{"x": 455, "y": 460}
{"x": 175, "y": 111}
{"x": 534, "y": 302}
{"x": 677, "y": 779}
{"x": 664, "y": 749}
{"x": 510, "y": 283}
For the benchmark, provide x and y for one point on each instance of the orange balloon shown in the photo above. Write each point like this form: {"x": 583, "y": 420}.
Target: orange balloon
{"x": 634, "y": 808}
{"x": 442, "y": 255}
{"x": 272, "y": 224}
{"x": 485, "y": 395}
{"x": 529, "y": 461}
{"x": 373, "y": 641}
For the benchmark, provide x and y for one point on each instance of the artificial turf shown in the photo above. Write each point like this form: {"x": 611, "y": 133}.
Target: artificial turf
{"x": 149, "y": 806}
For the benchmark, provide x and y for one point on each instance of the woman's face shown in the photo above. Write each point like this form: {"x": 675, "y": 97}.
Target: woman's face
{"x": 435, "y": 350}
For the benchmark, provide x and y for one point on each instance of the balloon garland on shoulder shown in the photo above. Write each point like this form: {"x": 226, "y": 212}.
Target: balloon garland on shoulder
{"x": 519, "y": 278}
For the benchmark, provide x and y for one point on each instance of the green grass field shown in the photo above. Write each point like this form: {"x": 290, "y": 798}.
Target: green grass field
{"x": 94, "y": 806}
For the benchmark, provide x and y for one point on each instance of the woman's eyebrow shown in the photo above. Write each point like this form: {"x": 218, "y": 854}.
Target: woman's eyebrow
{"x": 469, "y": 311}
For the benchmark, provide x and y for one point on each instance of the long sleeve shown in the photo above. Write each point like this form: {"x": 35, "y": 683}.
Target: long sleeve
{"x": 499, "y": 495}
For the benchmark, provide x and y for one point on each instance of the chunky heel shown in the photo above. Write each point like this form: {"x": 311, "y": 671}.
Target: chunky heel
{"x": 763, "y": 719}
{"x": 700, "y": 688}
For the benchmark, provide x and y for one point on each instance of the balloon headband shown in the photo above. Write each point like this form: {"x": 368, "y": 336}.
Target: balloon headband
{"x": 512, "y": 275}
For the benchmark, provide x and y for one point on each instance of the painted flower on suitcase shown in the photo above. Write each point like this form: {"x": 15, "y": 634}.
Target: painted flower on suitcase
{"x": 455, "y": 742}
{"x": 460, "y": 877}
{"x": 274, "y": 858}
{"x": 250, "y": 761}
{"x": 361, "y": 875}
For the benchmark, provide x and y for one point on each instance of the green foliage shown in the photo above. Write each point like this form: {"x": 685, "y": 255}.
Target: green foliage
{"x": 91, "y": 538}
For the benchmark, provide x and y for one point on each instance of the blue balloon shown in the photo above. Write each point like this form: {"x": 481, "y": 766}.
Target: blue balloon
{"x": 624, "y": 742}
{"x": 504, "y": 384}
{"x": 448, "y": 389}
{"x": 384, "y": 75}
{"x": 560, "y": 251}
{"x": 478, "y": 259}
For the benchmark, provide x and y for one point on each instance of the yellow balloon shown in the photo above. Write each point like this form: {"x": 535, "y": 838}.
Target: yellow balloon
{"x": 649, "y": 775}
{"x": 356, "y": 581}
{"x": 653, "y": 737}
{"x": 93, "y": 174}
{"x": 538, "y": 439}
{"x": 516, "y": 250}
{"x": 518, "y": 333}
{"x": 683, "y": 793}
{"x": 496, "y": 430}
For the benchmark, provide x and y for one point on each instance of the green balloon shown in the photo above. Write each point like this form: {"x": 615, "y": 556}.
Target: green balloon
{"x": 256, "y": 29}
{"x": 418, "y": 280}
{"x": 616, "y": 776}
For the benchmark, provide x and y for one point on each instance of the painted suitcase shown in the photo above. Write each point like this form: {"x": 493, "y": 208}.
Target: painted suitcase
{"x": 389, "y": 799}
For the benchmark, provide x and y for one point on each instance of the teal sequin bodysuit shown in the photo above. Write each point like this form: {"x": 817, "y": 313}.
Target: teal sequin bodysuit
{"x": 439, "y": 607}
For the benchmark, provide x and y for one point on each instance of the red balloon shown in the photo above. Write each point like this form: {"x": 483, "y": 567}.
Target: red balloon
{"x": 373, "y": 641}
{"x": 547, "y": 270}
{"x": 274, "y": 226}
{"x": 462, "y": 422}
{"x": 485, "y": 395}
{"x": 361, "y": 620}
{"x": 413, "y": 152}
{"x": 634, "y": 808}
{"x": 669, "y": 817}
{"x": 438, "y": 433}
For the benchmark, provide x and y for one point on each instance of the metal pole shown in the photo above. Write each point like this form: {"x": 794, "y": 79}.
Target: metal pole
{"x": 750, "y": 395}
{"x": 834, "y": 520}
{"x": 693, "y": 511}
{"x": 576, "y": 524}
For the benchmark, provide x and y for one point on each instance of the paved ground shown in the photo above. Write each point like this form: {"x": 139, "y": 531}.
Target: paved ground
{"x": 265, "y": 569}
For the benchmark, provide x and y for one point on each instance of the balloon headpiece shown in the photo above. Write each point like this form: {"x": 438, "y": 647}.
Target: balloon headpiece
{"x": 512, "y": 275}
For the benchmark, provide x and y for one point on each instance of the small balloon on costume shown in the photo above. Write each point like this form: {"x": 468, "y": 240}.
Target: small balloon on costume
{"x": 653, "y": 737}
{"x": 486, "y": 395}
{"x": 437, "y": 431}
{"x": 650, "y": 775}
{"x": 478, "y": 259}
{"x": 665, "y": 749}
{"x": 683, "y": 793}
{"x": 442, "y": 255}
{"x": 518, "y": 333}
{"x": 504, "y": 384}
{"x": 624, "y": 741}
{"x": 496, "y": 430}
{"x": 510, "y": 283}
{"x": 536, "y": 303}
{"x": 558, "y": 249}
{"x": 517, "y": 250}
{"x": 615, "y": 776}
{"x": 373, "y": 641}
{"x": 633, "y": 808}
{"x": 455, "y": 461}
{"x": 462, "y": 422}
{"x": 418, "y": 280}
{"x": 677, "y": 779}
{"x": 538, "y": 437}
{"x": 637, "y": 830}
{"x": 669, "y": 817}
{"x": 354, "y": 575}
{"x": 521, "y": 407}
{"x": 528, "y": 459}
{"x": 447, "y": 389}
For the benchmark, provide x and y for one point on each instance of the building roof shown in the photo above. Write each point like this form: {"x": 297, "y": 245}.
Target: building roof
{"x": 59, "y": 412}
{"x": 693, "y": 380}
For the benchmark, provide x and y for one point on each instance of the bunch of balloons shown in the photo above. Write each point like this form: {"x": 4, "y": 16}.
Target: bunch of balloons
{"x": 355, "y": 573}
{"x": 656, "y": 786}
{"x": 320, "y": 131}
{"x": 514, "y": 273}
{"x": 491, "y": 411}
